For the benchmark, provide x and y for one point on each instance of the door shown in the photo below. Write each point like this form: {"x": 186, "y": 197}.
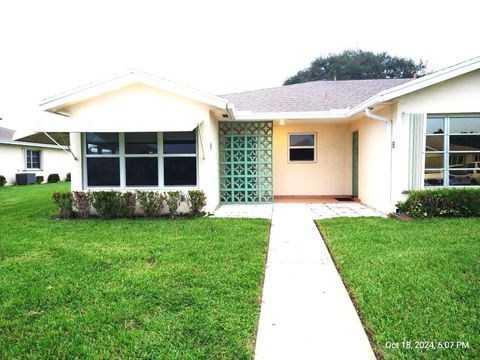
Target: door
{"x": 355, "y": 164}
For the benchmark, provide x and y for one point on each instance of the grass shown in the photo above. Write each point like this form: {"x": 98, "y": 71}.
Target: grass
{"x": 184, "y": 289}
{"x": 417, "y": 282}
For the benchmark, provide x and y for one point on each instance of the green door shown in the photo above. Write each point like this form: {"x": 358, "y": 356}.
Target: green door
{"x": 355, "y": 164}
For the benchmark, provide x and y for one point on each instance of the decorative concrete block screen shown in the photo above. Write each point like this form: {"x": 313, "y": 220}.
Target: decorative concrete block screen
{"x": 245, "y": 159}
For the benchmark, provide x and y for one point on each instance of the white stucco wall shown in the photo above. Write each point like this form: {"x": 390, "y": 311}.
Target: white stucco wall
{"x": 13, "y": 161}
{"x": 330, "y": 174}
{"x": 374, "y": 160}
{"x": 139, "y": 105}
{"x": 458, "y": 95}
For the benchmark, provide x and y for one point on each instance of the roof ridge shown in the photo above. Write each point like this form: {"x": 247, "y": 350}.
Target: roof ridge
{"x": 310, "y": 82}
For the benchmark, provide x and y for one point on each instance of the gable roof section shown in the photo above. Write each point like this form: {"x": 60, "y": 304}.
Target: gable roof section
{"x": 421, "y": 83}
{"x": 343, "y": 99}
{"x": 311, "y": 96}
{"x": 310, "y": 100}
{"x": 126, "y": 78}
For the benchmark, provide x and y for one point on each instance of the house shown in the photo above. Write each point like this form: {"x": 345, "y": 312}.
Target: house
{"x": 39, "y": 157}
{"x": 370, "y": 139}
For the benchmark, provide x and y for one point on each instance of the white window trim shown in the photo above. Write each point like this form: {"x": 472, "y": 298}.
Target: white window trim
{"x": 122, "y": 156}
{"x": 26, "y": 160}
{"x": 446, "y": 151}
{"x": 314, "y": 147}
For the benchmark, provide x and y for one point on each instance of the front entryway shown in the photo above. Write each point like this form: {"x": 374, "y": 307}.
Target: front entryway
{"x": 245, "y": 161}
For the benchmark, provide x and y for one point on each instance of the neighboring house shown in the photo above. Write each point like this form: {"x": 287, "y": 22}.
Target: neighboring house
{"x": 30, "y": 157}
{"x": 372, "y": 139}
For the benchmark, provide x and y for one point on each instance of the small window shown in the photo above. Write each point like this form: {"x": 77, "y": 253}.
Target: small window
{"x": 33, "y": 159}
{"x": 301, "y": 147}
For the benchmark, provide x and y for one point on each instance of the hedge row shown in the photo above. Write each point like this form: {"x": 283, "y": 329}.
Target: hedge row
{"x": 116, "y": 204}
{"x": 462, "y": 202}
{"x": 52, "y": 178}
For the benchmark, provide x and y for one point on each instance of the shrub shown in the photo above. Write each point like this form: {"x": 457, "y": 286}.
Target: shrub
{"x": 197, "y": 201}
{"x": 128, "y": 204}
{"x": 173, "y": 200}
{"x": 461, "y": 202}
{"x": 39, "y": 179}
{"x": 108, "y": 204}
{"x": 64, "y": 202}
{"x": 151, "y": 203}
{"x": 68, "y": 178}
{"x": 3, "y": 181}
{"x": 81, "y": 202}
{"x": 53, "y": 178}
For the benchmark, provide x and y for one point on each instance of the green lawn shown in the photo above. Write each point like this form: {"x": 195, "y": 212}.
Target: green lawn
{"x": 184, "y": 289}
{"x": 413, "y": 281}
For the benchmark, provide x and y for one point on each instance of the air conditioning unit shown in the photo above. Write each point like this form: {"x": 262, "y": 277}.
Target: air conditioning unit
{"x": 25, "y": 178}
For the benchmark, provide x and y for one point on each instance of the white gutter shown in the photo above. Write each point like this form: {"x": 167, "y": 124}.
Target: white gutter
{"x": 230, "y": 108}
{"x": 30, "y": 144}
{"x": 375, "y": 117}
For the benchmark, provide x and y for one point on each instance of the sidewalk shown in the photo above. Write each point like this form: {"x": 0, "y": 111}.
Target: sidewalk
{"x": 306, "y": 311}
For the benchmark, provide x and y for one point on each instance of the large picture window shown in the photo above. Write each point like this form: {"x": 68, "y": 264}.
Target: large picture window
{"x": 301, "y": 147}
{"x": 141, "y": 159}
{"x": 452, "y": 151}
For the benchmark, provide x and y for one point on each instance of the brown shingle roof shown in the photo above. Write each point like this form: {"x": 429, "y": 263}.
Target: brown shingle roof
{"x": 311, "y": 96}
{"x": 6, "y": 134}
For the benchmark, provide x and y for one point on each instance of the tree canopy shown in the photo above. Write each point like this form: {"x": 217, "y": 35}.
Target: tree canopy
{"x": 358, "y": 65}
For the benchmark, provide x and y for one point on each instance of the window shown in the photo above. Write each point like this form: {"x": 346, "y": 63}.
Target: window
{"x": 301, "y": 147}
{"x": 180, "y": 158}
{"x": 33, "y": 159}
{"x": 141, "y": 159}
{"x": 452, "y": 151}
{"x": 103, "y": 159}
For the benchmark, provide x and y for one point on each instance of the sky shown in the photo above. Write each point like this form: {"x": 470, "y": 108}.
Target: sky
{"x": 47, "y": 47}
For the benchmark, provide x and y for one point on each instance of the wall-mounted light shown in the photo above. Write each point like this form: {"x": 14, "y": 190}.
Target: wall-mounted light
{"x": 282, "y": 122}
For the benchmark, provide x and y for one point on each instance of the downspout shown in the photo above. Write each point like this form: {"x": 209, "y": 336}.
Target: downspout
{"x": 387, "y": 121}
{"x": 230, "y": 111}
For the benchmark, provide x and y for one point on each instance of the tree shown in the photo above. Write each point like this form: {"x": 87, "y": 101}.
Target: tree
{"x": 357, "y": 65}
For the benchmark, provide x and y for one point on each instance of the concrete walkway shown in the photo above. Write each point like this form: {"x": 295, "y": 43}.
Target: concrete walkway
{"x": 306, "y": 312}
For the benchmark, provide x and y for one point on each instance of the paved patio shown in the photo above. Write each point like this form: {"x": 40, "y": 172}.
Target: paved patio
{"x": 317, "y": 210}
{"x": 259, "y": 211}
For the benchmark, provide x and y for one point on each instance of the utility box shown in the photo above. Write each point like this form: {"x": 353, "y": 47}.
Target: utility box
{"x": 25, "y": 178}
